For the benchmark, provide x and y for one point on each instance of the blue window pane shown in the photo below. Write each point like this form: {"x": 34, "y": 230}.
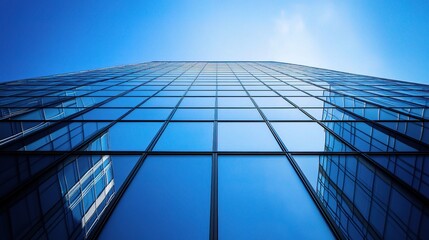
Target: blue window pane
{"x": 140, "y": 93}
{"x": 262, "y": 93}
{"x": 235, "y": 102}
{"x": 171, "y": 93}
{"x": 194, "y": 114}
{"x": 132, "y": 136}
{"x": 239, "y": 114}
{"x": 103, "y": 114}
{"x": 271, "y": 102}
{"x": 261, "y": 197}
{"x": 285, "y": 114}
{"x": 198, "y": 102}
{"x": 317, "y": 113}
{"x": 309, "y": 165}
{"x": 186, "y": 136}
{"x": 292, "y": 135}
{"x": 231, "y": 93}
{"x": 307, "y": 101}
{"x": 201, "y": 93}
{"x": 168, "y": 199}
{"x": 122, "y": 166}
{"x": 148, "y": 114}
{"x": 245, "y": 136}
{"x": 124, "y": 102}
{"x": 161, "y": 102}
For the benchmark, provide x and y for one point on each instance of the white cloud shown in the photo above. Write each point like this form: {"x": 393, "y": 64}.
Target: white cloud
{"x": 323, "y": 35}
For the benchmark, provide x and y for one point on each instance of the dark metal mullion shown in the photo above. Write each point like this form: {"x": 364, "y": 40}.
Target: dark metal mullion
{"x": 214, "y": 174}
{"x": 328, "y": 219}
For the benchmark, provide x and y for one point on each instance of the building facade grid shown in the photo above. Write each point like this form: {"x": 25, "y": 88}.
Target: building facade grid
{"x": 136, "y": 112}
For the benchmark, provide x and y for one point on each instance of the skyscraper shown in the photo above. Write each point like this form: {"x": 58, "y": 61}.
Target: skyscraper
{"x": 214, "y": 150}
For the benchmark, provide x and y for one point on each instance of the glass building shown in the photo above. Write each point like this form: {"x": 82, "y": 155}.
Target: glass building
{"x": 214, "y": 150}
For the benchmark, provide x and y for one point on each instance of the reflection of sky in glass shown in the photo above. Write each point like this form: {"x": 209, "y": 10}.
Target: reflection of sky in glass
{"x": 239, "y": 114}
{"x": 194, "y": 114}
{"x": 301, "y": 136}
{"x": 261, "y": 197}
{"x": 186, "y": 136}
{"x": 168, "y": 199}
{"x": 245, "y": 136}
{"x": 148, "y": 114}
{"x": 285, "y": 114}
{"x": 309, "y": 165}
{"x": 137, "y": 135}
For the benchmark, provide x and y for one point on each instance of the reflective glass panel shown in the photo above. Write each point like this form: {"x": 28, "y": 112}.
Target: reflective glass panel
{"x": 103, "y": 114}
{"x": 302, "y": 136}
{"x": 198, "y": 102}
{"x": 124, "y": 102}
{"x": 194, "y": 114}
{"x": 132, "y": 136}
{"x": 161, "y": 102}
{"x": 168, "y": 199}
{"x": 271, "y": 102}
{"x": 234, "y": 102}
{"x": 239, "y": 114}
{"x": 148, "y": 114}
{"x": 285, "y": 114}
{"x": 261, "y": 197}
{"x": 245, "y": 136}
{"x": 186, "y": 136}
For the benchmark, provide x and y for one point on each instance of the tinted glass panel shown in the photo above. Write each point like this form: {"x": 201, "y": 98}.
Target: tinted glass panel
{"x": 168, "y": 199}
{"x": 271, "y": 102}
{"x": 148, "y": 114}
{"x": 234, "y": 102}
{"x": 301, "y": 136}
{"x": 194, "y": 114}
{"x": 132, "y": 136}
{"x": 285, "y": 114}
{"x": 245, "y": 136}
{"x": 238, "y": 114}
{"x": 186, "y": 136}
{"x": 261, "y": 197}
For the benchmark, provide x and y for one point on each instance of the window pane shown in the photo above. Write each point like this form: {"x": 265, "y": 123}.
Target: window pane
{"x": 124, "y": 102}
{"x": 316, "y": 138}
{"x": 235, "y": 102}
{"x": 186, "y": 136}
{"x": 122, "y": 166}
{"x": 246, "y": 136}
{"x": 148, "y": 114}
{"x": 198, "y": 102}
{"x": 261, "y": 197}
{"x": 161, "y": 102}
{"x": 285, "y": 114}
{"x": 103, "y": 114}
{"x": 194, "y": 114}
{"x": 238, "y": 114}
{"x": 271, "y": 102}
{"x": 309, "y": 165}
{"x": 307, "y": 101}
{"x": 168, "y": 199}
{"x": 132, "y": 136}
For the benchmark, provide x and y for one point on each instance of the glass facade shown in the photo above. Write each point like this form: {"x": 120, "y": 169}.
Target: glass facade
{"x": 214, "y": 150}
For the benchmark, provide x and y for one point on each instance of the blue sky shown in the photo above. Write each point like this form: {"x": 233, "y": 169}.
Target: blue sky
{"x": 380, "y": 38}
